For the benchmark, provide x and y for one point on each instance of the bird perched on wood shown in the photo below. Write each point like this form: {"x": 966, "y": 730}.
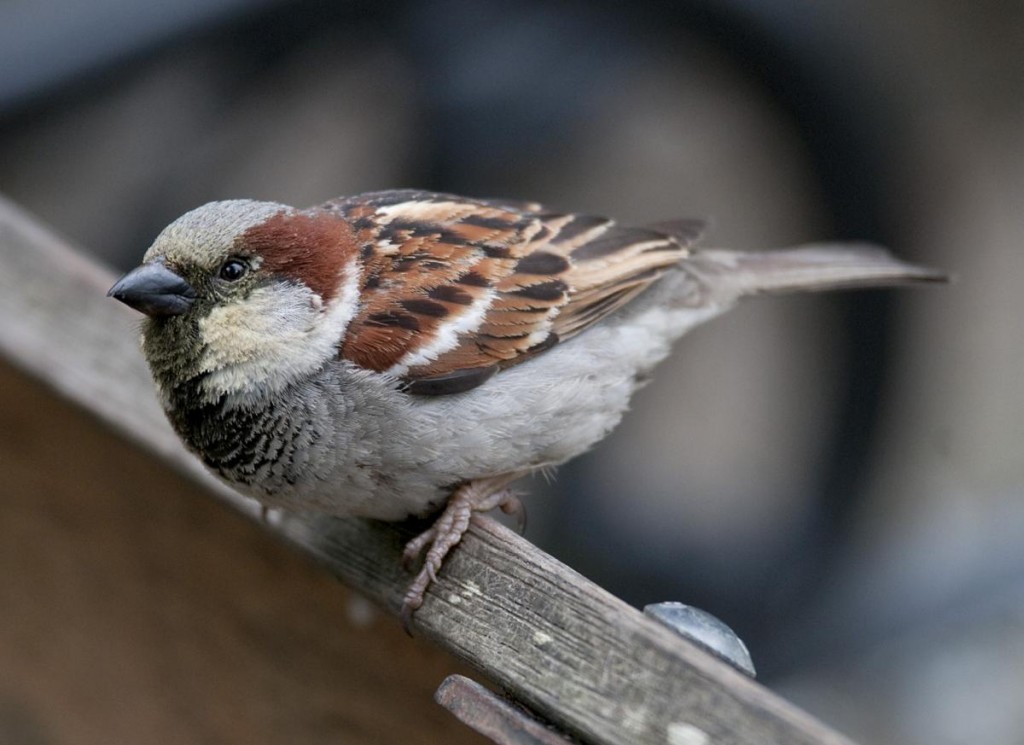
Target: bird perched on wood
{"x": 399, "y": 353}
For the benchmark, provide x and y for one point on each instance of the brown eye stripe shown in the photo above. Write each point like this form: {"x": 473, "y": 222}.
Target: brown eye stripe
{"x": 307, "y": 247}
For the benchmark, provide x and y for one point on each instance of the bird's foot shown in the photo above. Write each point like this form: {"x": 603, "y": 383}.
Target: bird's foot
{"x": 482, "y": 495}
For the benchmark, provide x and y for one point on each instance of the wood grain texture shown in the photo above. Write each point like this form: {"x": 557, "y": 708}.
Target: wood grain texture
{"x": 561, "y": 645}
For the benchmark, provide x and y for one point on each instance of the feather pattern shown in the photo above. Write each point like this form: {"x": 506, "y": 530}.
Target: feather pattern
{"x": 455, "y": 288}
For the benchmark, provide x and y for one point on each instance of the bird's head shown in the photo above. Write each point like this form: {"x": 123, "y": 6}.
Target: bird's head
{"x": 244, "y": 298}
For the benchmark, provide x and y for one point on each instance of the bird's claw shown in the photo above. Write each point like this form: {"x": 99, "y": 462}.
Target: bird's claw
{"x": 447, "y": 531}
{"x": 415, "y": 547}
{"x": 512, "y": 506}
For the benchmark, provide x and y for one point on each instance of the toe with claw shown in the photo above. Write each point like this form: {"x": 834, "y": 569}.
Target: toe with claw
{"x": 481, "y": 495}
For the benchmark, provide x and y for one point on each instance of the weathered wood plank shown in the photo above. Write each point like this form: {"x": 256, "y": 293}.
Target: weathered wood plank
{"x": 558, "y": 643}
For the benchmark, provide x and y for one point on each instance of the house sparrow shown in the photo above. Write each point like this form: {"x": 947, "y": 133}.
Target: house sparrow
{"x": 398, "y": 352}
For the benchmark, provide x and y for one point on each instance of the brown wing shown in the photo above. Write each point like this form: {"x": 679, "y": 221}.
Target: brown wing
{"x": 455, "y": 289}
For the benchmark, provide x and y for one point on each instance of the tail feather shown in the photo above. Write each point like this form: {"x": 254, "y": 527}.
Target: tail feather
{"x": 809, "y": 268}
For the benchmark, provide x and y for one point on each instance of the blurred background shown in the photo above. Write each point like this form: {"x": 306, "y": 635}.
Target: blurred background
{"x": 838, "y": 478}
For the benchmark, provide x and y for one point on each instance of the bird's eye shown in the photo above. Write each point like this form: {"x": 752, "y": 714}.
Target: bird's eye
{"x": 233, "y": 270}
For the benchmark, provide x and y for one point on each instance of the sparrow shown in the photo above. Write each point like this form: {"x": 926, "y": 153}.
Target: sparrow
{"x": 404, "y": 353}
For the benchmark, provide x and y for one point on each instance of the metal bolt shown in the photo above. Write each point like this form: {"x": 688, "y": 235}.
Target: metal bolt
{"x": 704, "y": 630}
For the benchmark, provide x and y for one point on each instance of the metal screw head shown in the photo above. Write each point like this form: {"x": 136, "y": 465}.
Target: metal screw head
{"x": 706, "y": 631}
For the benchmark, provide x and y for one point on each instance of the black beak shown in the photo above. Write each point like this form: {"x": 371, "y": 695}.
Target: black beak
{"x": 155, "y": 290}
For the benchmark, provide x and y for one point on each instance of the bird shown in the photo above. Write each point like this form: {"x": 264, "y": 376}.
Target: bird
{"x": 407, "y": 353}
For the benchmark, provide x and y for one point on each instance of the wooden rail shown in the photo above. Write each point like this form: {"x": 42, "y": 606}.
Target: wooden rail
{"x": 553, "y": 641}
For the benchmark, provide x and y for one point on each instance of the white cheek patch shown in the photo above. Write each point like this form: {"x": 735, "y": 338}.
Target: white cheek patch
{"x": 276, "y": 335}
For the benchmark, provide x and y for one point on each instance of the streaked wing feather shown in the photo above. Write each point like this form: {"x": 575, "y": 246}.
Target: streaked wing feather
{"x": 454, "y": 289}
